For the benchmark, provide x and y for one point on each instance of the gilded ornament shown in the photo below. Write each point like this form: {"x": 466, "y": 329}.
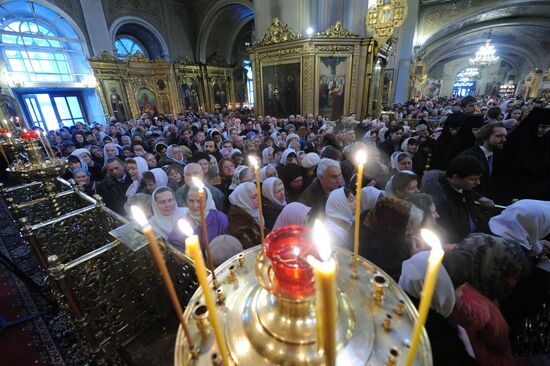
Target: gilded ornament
{"x": 105, "y": 57}
{"x": 334, "y": 48}
{"x": 137, "y": 57}
{"x": 285, "y": 52}
{"x": 278, "y": 32}
{"x": 385, "y": 18}
{"x": 337, "y": 30}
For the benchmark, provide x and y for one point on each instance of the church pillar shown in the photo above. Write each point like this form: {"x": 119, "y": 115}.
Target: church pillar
{"x": 405, "y": 53}
{"x": 96, "y": 24}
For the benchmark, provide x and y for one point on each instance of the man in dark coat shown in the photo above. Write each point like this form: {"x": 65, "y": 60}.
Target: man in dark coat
{"x": 454, "y": 195}
{"x": 113, "y": 188}
{"x": 329, "y": 177}
{"x": 490, "y": 138}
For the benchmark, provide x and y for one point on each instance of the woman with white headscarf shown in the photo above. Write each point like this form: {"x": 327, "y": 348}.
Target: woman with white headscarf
{"x": 217, "y": 222}
{"x": 369, "y": 196}
{"x": 267, "y": 155}
{"x": 527, "y": 222}
{"x": 242, "y": 174}
{"x": 267, "y": 172}
{"x": 274, "y": 201}
{"x": 295, "y": 213}
{"x": 111, "y": 150}
{"x": 154, "y": 179}
{"x": 135, "y": 167}
{"x": 449, "y": 341}
{"x": 401, "y": 161}
{"x": 289, "y": 157}
{"x": 166, "y": 214}
{"x": 340, "y": 216}
{"x": 244, "y": 215}
{"x": 174, "y": 155}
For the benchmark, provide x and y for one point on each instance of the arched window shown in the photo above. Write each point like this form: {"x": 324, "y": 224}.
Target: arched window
{"x": 38, "y": 45}
{"x": 127, "y": 45}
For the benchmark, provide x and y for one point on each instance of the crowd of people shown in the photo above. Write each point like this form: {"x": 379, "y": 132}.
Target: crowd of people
{"x": 443, "y": 163}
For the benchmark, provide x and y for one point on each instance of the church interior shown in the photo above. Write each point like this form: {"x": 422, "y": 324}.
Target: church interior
{"x": 275, "y": 182}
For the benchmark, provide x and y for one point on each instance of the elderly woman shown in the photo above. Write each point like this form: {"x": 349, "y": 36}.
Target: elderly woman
{"x": 340, "y": 216}
{"x": 83, "y": 179}
{"x": 273, "y": 191}
{"x": 267, "y": 156}
{"x": 242, "y": 174}
{"x": 174, "y": 155}
{"x": 244, "y": 215}
{"x": 217, "y": 222}
{"x": 94, "y": 168}
{"x": 111, "y": 150}
{"x": 401, "y": 161}
{"x": 267, "y": 172}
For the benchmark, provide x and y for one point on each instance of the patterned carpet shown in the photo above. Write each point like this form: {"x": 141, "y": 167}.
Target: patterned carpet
{"x": 47, "y": 340}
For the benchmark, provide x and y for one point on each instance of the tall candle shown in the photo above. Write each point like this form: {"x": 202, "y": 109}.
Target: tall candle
{"x": 44, "y": 145}
{"x": 434, "y": 262}
{"x": 200, "y": 185}
{"x": 49, "y": 145}
{"x": 139, "y": 216}
{"x": 256, "y": 166}
{"x": 361, "y": 158}
{"x": 325, "y": 288}
{"x": 193, "y": 249}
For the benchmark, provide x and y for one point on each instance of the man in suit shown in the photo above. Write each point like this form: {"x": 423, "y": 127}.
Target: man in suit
{"x": 113, "y": 188}
{"x": 490, "y": 140}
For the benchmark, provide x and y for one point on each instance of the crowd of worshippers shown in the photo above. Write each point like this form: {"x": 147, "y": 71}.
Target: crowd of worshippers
{"x": 446, "y": 172}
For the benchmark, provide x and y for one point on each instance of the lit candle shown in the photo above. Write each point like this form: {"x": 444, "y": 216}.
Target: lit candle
{"x": 139, "y": 216}
{"x": 256, "y": 166}
{"x": 325, "y": 288}
{"x": 434, "y": 262}
{"x": 200, "y": 185}
{"x": 193, "y": 250}
{"x": 361, "y": 159}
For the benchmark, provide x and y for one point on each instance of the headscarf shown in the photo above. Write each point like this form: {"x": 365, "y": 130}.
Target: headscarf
{"x": 488, "y": 263}
{"x": 267, "y": 190}
{"x": 208, "y": 205}
{"x": 413, "y": 272}
{"x": 79, "y": 152}
{"x": 224, "y": 247}
{"x": 234, "y": 151}
{"x": 286, "y": 153}
{"x": 236, "y": 180}
{"x": 265, "y": 155}
{"x": 395, "y": 158}
{"x": 310, "y": 160}
{"x": 389, "y": 191}
{"x": 117, "y": 146}
{"x": 162, "y": 224}
{"x": 82, "y": 162}
{"x": 161, "y": 179}
{"x": 369, "y": 197}
{"x": 240, "y": 197}
{"x": 80, "y": 170}
{"x": 170, "y": 154}
{"x": 263, "y": 172}
{"x": 338, "y": 206}
{"x": 526, "y": 221}
{"x": 142, "y": 167}
{"x": 295, "y": 213}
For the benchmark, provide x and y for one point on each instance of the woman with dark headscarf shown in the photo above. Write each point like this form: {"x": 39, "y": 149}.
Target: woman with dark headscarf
{"x": 292, "y": 176}
{"x": 464, "y": 139}
{"x": 526, "y": 156}
{"x": 451, "y": 128}
{"x": 484, "y": 270}
{"x": 386, "y": 237}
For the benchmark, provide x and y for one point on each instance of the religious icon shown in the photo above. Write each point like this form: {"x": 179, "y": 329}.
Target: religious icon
{"x": 332, "y": 86}
{"x": 161, "y": 84}
{"x": 220, "y": 92}
{"x": 147, "y": 102}
{"x": 281, "y": 89}
{"x": 190, "y": 93}
{"x": 165, "y": 104}
{"x": 116, "y": 99}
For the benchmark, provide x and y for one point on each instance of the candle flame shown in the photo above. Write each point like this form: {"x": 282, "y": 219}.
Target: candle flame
{"x": 321, "y": 238}
{"x": 361, "y": 157}
{"x": 138, "y": 215}
{"x": 430, "y": 238}
{"x": 185, "y": 227}
{"x": 197, "y": 182}
{"x": 9, "y": 135}
{"x": 253, "y": 161}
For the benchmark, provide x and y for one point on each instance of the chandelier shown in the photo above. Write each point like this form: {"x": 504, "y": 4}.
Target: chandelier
{"x": 485, "y": 56}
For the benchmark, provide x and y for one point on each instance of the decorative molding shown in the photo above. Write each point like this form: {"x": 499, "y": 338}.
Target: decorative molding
{"x": 337, "y": 30}
{"x": 334, "y": 48}
{"x": 278, "y": 32}
{"x": 285, "y": 52}
{"x": 185, "y": 61}
{"x": 105, "y": 57}
{"x": 140, "y": 57}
